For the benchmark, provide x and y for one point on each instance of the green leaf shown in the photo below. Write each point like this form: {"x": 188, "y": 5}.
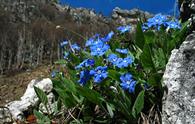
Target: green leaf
{"x": 146, "y": 57}
{"x": 115, "y": 44}
{"x": 98, "y": 60}
{"x": 66, "y": 98}
{"x": 41, "y": 119}
{"x": 65, "y": 84}
{"x": 59, "y": 104}
{"x": 41, "y": 95}
{"x": 149, "y": 37}
{"x": 74, "y": 58}
{"x": 110, "y": 109}
{"x": 139, "y": 38}
{"x": 61, "y": 61}
{"x": 139, "y": 104}
{"x": 90, "y": 94}
{"x": 113, "y": 74}
{"x": 159, "y": 59}
{"x": 155, "y": 80}
{"x": 125, "y": 97}
{"x": 85, "y": 54}
{"x": 178, "y": 37}
{"x": 103, "y": 121}
{"x": 69, "y": 85}
{"x": 123, "y": 103}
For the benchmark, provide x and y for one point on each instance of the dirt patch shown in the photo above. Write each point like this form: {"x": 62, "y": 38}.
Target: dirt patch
{"x": 12, "y": 87}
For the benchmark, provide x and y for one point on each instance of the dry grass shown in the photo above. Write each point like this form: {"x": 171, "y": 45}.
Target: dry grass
{"x": 153, "y": 117}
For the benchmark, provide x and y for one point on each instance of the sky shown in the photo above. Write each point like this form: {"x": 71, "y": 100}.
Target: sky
{"x": 106, "y": 6}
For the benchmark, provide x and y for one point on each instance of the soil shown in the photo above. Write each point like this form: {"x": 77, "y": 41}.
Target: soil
{"x": 13, "y": 86}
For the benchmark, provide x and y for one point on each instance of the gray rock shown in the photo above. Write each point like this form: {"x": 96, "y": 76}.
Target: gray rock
{"x": 179, "y": 78}
{"x": 125, "y": 17}
{"x": 29, "y": 100}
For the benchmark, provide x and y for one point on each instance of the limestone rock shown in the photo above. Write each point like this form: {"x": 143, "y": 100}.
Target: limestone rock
{"x": 29, "y": 99}
{"x": 179, "y": 78}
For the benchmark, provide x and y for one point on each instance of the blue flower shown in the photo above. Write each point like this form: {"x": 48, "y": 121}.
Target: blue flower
{"x": 108, "y": 37}
{"x": 128, "y": 83}
{"x": 99, "y": 49}
{"x": 89, "y": 42}
{"x": 65, "y": 55}
{"x": 100, "y": 73}
{"x": 75, "y": 47}
{"x": 63, "y": 43}
{"x": 113, "y": 58}
{"x": 124, "y": 29}
{"x": 84, "y": 77}
{"x": 86, "y": 63}
{"x": 53, "y": 74}
{"x": 145, "y": 27}
{"x": 157, "y": 21}
{"x": 123, "y": 51}
{"x": 121, "y": 63}
{"x": 173, "y": 25}
{"x": 92, "y": 40}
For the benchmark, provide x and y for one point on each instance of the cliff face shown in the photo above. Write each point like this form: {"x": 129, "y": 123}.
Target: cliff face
{"x": 28, "y": 34}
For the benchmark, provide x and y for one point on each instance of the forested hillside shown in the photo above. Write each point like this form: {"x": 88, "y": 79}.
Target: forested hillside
{"x": 28, "y": 33}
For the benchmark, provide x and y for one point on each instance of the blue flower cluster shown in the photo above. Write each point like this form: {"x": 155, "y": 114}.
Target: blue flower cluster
{"x": 84, "y": 77}
{"x": 75, "y": 47}
{"x": 128, "y": 83}
{"x": 124, "y": 29}
{"x": 120, "y": 62}
{"x": 53, "y": 74}
{"x": 86, "y": 63}
{"x": 98, "y": 46}
{"x": 100, "y": 73}
{"x": 99, "y": 49}
{"x": 63, "y": 43}
{"x": 65, "y": 54}
{"x": 173, "y": 25}
{"x": 160, "y": 20}
{"x": 108, "y": 37}
{"x": 92, "y": 40}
